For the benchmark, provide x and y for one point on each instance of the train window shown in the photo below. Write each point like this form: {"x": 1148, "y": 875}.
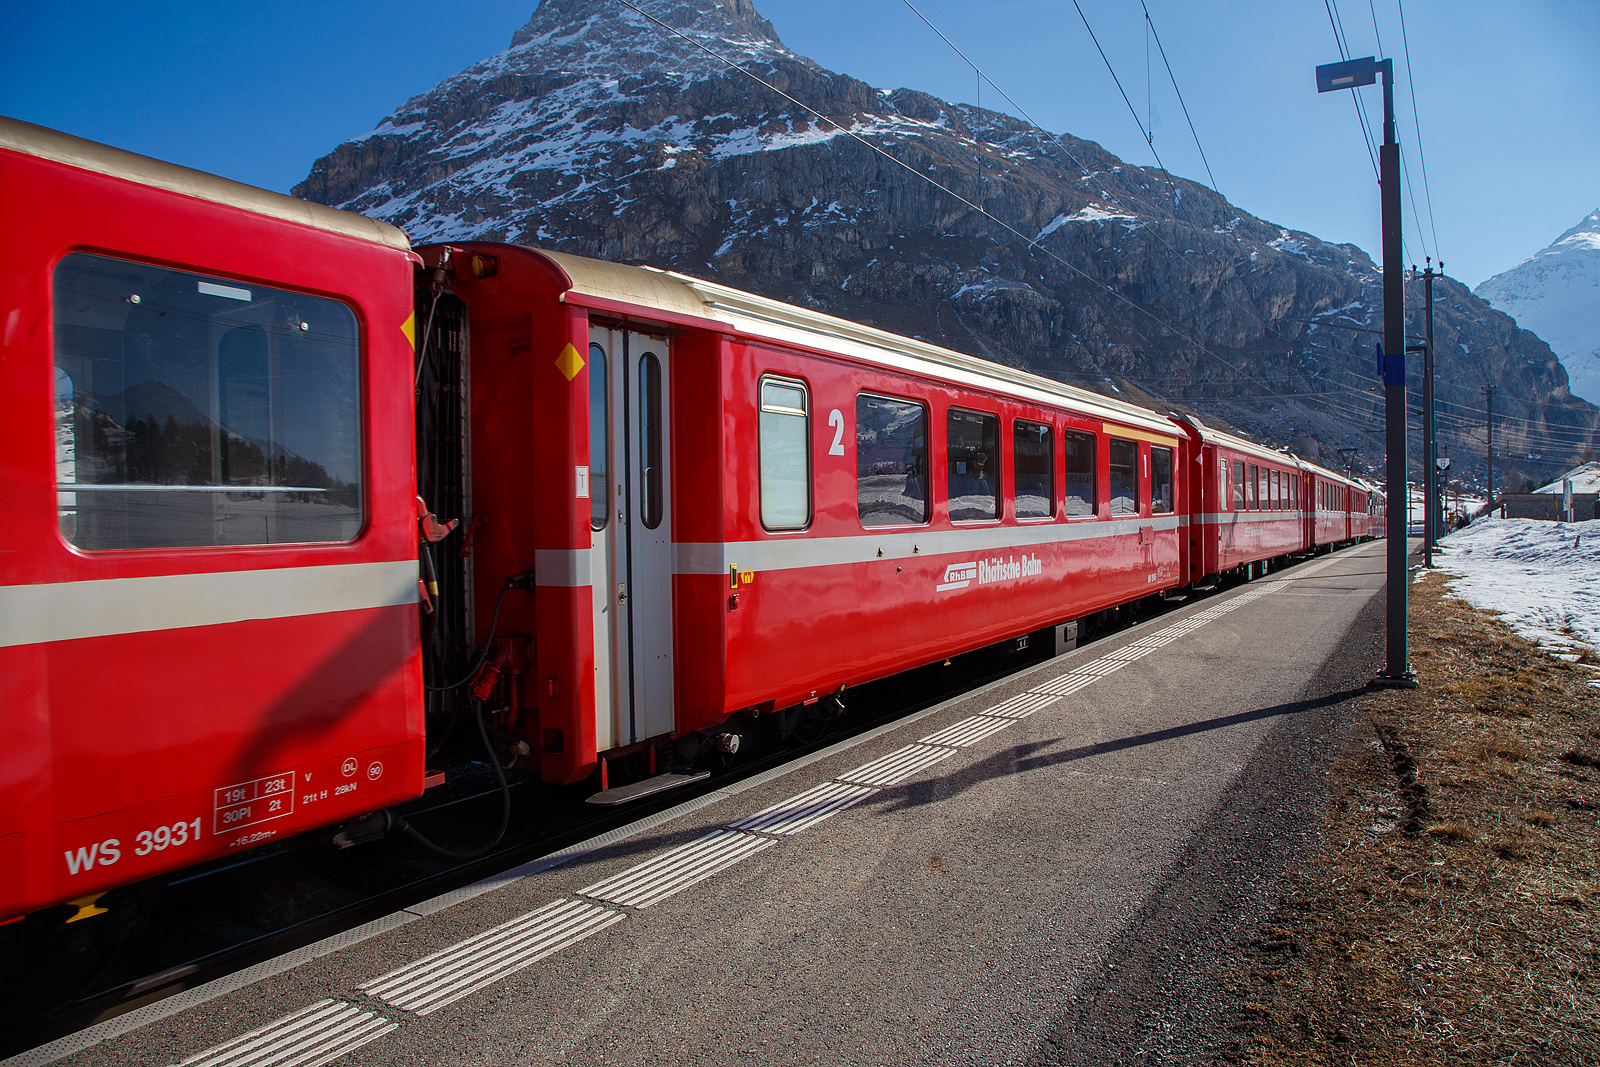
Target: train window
{"x": 599, "y": 442}
{"x": 1276, "y": 489}
{"x": 1251, "y": 488}
{"x": 1032, "y": 476}
{"x": 1124, "y": 457}
{"x": 891, "y": 461}
{"x": 194, "y": 411}
{"x": 785, "y": 454}
{"x": 1160, "y": 480}
{"x": 972, "y": 448}
{"x": 1263, "y": 492}
{"x": 1080, "y": 497}
{"x": 1238, "y": 485}
{"x": 650, "y": 509}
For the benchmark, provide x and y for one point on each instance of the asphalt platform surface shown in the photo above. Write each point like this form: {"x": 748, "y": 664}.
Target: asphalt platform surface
{"x": 1049, "y": 870}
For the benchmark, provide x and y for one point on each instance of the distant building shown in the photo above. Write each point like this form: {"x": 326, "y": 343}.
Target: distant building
{"x": 1546, "y": 502}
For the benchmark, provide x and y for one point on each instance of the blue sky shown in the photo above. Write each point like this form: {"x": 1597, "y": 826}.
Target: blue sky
{"x": 1506, "y": 91}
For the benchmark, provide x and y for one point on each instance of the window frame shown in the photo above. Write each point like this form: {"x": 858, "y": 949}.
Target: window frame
{"x": 223, "y": 284}
{"x": 1138, "y": 502}
{"x": 998, "y": 477}
{"x": 1172, "y": 479}
{"x": 927, "y": 448}
{"x": 761, "y": 480}
{"x": 1094, "y": 473}
{"x": 1049, "y": 469}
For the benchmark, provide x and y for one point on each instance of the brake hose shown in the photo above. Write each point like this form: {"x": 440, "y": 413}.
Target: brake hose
{"x": 398, "y": 821}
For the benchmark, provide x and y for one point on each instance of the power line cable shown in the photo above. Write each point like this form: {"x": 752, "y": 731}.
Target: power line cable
{"x": 1416, "y": 122}
{"x": 1151, "y": 24}
{"x": 1152, "y": 316}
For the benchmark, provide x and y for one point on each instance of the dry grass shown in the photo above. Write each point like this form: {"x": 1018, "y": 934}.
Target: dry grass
{"x": 1453, "y": 915}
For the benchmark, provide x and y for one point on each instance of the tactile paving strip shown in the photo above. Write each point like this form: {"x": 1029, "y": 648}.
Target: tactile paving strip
{"x": 310, "y": 1037}
{"x": 897, "y": 766}
{"x": 969, "y": 731}
{"x": 677, "y": 869}
{"x": 434, "y": 981}
{"x": 806, "y": 809}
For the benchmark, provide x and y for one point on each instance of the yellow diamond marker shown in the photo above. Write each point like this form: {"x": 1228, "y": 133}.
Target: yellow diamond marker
{"x": 409, "y": 328}
{"x": 569, "y": 362}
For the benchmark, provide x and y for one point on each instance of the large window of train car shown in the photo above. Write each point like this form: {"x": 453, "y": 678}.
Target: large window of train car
{"x": 196, "y": 412}
{"x": 1033, "y": 470}
{"x": 1253, "y": 501}
{"x": 1160, "y": 480}
{"x": 972, "y": 452}
{"x": 1238, "y": 485}
{"x": 891, "y": 461}
{"x": 1276, "y": 489}
{"x": 599, "y": 442}
{"x": 785, "y": 448}
{"x": 1124, "y": 463}
{"x": 1079, "y": 499}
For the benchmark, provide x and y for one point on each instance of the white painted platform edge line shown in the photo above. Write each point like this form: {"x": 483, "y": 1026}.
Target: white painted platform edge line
{"x": 201, "y": 994}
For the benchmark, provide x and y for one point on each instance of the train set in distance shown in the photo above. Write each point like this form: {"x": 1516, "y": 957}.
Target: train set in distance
{"x": 288, "y": 498}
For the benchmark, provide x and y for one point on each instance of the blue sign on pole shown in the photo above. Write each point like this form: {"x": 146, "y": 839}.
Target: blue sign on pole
{"x": 1391, "y": 367}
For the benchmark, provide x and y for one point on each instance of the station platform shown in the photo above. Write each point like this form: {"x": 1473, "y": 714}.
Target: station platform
{"x": 944, "y": 889}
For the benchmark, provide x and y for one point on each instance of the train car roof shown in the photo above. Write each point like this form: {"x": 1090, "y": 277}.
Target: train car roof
{"x": 680, "y": 294}
{"x": 1210, "y": 435}
{"x": 44, "y": 143}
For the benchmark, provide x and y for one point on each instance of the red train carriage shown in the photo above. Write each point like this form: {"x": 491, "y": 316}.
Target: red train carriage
{"x": 1246, "y": 503}
{"x": 1330, "y": 520}
{"x": 207, "y": 591}
{"x": 682, "y": 507}
{"x": 745, "y": 506}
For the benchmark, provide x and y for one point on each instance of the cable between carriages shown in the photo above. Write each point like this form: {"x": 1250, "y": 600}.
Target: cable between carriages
{"x": 398, "y": 821}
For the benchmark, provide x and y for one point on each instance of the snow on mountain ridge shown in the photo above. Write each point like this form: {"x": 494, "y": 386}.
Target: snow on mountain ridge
{"x": 1556, "y": 294}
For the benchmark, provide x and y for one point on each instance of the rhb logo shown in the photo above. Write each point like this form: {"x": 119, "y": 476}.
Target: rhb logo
{"x": 958, "y": 576}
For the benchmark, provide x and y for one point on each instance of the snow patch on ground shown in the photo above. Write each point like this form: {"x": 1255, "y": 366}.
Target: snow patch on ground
{"x": 1543, "y": 578}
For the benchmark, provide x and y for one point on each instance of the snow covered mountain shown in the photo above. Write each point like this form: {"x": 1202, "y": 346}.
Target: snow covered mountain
{"x": 603, "y": 132}
{"x": 1556, "y": 294}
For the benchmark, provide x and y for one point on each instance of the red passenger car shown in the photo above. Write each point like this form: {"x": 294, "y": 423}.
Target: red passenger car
{"x": 208, "y": 590}
{"x": 230, "y": 615}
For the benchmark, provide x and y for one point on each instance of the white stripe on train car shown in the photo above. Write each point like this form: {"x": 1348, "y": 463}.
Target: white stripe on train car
{"x": 792, "y": 553}
{"x": 71, "y": 611}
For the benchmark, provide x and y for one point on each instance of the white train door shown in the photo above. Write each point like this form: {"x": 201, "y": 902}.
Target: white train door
{"x": 631, "y": 547}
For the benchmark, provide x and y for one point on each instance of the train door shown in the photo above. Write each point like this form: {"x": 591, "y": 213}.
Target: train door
{"x": 631, "y": 546}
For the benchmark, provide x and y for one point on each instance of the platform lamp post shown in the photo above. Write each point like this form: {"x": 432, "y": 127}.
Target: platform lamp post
{"x": 1352, "y": 74}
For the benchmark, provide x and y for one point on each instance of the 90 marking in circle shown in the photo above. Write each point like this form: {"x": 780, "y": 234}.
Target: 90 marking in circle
{"x": 165, "y": 837}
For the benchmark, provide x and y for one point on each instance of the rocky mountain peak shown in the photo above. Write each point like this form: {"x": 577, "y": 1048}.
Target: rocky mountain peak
{"x": 717, "y": 20}
{"x": 601, "y": 133}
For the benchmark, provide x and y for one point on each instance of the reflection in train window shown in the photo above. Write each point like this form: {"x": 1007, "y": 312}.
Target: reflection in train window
{"x": 1238, "y": 485}
{"x": 972, "y": 446}
{"x": 1033, "y": 482}
{"x": 1080, "y": 498}
{"x": 1252, "y": 487}
{"x": 1160, "y": 480}
{"x": 194, "y": 411}
{"x": 785, "y": 450}
{"x": 1124, "y": 457}
{"x": 891, "y": 461}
